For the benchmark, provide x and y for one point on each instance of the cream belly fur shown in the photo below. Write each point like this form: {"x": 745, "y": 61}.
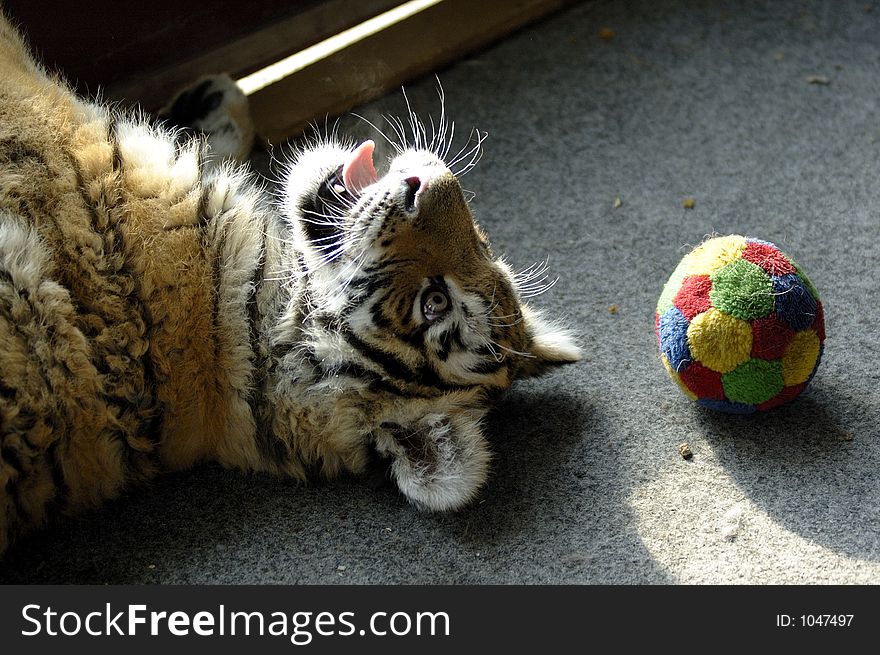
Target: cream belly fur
{"x": 158, "y": 310}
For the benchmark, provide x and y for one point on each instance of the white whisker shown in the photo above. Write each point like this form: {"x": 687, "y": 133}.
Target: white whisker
{"x": 511, "y": 350}
{"x": 394, "y": 144}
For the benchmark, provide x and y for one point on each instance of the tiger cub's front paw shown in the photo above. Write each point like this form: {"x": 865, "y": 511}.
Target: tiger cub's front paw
{"x": 439, "y": 461}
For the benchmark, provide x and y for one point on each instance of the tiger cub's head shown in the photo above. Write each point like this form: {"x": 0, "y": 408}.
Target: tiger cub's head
{"x": 408, "y": 298}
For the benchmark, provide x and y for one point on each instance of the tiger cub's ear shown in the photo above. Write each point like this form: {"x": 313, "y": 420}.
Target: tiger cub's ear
{"x": 440, "y": 460}
{"x": 549, "y": 346}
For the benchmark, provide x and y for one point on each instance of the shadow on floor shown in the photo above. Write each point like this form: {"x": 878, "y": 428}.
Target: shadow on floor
{"x": 805, "y": 465}
{"x": 542, "y": 508}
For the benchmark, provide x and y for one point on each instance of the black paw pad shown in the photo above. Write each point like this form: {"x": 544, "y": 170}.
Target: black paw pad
{"x": 193, "y": 105}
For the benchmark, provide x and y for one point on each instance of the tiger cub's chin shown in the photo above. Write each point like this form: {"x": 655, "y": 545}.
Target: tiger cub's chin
{"x": 411, "y": 313}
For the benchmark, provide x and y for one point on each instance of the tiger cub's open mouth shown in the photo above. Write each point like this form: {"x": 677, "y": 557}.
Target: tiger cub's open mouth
{"x": 344, "y": 186}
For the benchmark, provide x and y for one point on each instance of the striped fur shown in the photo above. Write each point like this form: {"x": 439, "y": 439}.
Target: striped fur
{"x": 156, "y": 312}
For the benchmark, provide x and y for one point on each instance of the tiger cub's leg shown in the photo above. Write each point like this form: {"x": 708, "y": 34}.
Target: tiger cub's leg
{"x": 50, "y": 419}
{"x": 216, "y": 107}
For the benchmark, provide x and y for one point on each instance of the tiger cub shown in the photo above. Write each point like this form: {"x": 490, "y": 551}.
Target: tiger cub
{"x": 157, "y": 311}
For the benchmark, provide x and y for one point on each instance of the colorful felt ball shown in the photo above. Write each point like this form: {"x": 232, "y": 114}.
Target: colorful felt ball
{"x": 739, "y": 326}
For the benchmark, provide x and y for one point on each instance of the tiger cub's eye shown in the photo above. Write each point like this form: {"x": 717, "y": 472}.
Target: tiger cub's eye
{"x": 435, "y": 303}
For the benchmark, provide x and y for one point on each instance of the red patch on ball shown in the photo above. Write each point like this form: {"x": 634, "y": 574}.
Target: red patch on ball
{"x": 768, "y": 258}
{"x": 692, "y": 298}
{"x": 770, "y": 338}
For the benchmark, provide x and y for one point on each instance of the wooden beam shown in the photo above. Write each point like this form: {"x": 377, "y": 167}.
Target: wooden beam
{"x": 370, "y": 68}
{"x": 301, "y": 29}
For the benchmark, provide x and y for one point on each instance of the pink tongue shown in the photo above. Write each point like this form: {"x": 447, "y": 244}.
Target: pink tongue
{"x": 358, "y": 171}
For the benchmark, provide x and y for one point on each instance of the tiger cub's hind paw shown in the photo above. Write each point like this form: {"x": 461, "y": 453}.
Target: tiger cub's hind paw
{"x": 216, "y": 107}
